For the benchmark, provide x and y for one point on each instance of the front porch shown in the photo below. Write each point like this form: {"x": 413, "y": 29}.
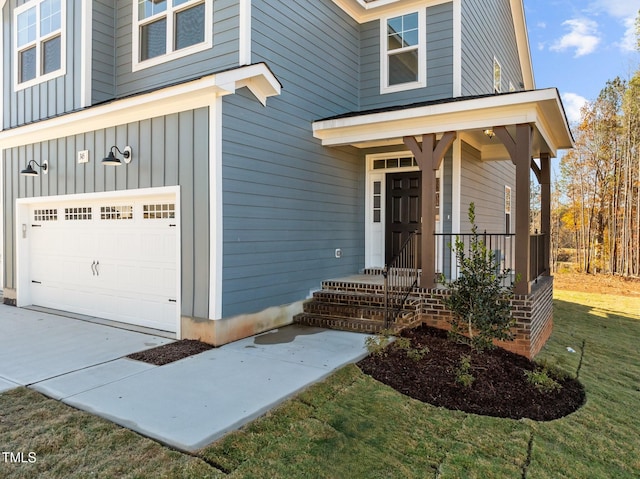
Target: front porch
{"x": 357, "y": 303}
{"x": 452, "y": 152}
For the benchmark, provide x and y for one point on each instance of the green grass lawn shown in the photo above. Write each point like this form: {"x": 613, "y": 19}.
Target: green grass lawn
{"x": 351, "y": 426}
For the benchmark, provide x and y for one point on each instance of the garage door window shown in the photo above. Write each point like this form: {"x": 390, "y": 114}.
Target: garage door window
{"x": 45, "y": 215}
{"x": 116, "y": 212}
{"x": 76, "y": 214}
{"x": 159, "y": 211}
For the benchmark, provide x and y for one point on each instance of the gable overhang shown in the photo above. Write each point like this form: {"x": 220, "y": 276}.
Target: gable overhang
{"x": 367, "y": 10}
{"x": 189, "y": 95}
{"x": 522, "y": 42}
{"x": 469, "y": 117}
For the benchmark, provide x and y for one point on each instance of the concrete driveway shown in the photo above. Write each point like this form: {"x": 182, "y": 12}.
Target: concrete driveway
{"x": 186, "y": 404}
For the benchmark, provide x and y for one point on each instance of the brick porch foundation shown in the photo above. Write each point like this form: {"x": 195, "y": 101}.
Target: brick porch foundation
{"x": 533, "y": 314}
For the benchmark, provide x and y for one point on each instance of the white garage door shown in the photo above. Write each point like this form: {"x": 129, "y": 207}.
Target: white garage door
{"x": 110, "y": 259}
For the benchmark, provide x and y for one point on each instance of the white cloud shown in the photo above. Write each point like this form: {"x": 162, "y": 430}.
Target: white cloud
{"x": 628, "y": 43}
{"x": 625, "y": 12}
{"x": 573, "y": 104}
{"x": 617, "y": 8}
{"x": 583, "y": 36}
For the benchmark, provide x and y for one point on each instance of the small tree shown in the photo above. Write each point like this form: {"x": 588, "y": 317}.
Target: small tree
{"x": 479, "y": 300}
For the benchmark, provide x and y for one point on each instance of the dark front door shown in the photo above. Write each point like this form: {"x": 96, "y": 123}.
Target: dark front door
{"x": 402, "y": 210}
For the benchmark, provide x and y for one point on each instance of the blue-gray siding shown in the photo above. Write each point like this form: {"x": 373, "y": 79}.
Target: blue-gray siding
{"x": 168, "y": 151}
{"x": 487, "y": 31}
{"x": 439, "y": 30}
{"x": 289, "y": 203}
{"x": 223, "y": 55}
{"x": 483, "y": 182}
{"x": 50, "y": 98}
{"x": 111, "y": 65}
{"x": 103, "y": 51}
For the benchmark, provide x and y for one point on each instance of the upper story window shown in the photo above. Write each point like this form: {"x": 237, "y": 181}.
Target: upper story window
{"x": 169, "y": 29}
{"x": 403, "y": 59}
{"x": 497, "y": 76}
{"x": 39, "y": 42}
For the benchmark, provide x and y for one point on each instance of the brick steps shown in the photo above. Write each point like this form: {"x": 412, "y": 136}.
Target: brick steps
{"x": 354, "y": 306}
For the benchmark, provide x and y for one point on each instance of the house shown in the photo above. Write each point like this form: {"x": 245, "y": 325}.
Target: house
{"x": 202, "y": 166}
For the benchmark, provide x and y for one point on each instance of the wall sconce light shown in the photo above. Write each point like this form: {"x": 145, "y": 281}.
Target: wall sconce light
{"x": 29, "y": 171}
{"x": 489, "y": 132}
{"x": 113, "y": 160}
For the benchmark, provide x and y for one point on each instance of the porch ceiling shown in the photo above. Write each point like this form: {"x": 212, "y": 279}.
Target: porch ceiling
{"x": 468, "y": 116}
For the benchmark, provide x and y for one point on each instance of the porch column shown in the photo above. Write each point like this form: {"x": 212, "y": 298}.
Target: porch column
{"x": 429, "y": 158}
{"x": 520, "y": 152}
{"x": 545, "y": 208}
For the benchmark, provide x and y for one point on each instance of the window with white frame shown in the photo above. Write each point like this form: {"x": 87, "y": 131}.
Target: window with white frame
{"x": 168, "y": 29}
{"x": 402, "y": 49}
{"x": 39, "y": 41}
{"x": 497, "y": 76}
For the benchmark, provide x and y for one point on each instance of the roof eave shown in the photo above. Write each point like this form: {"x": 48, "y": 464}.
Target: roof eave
{"x": 542, "y": 108}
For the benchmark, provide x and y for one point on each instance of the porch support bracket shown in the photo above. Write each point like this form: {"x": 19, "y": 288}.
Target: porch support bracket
{"x": 519, "y": 149}
{"x": 429, "y": 157}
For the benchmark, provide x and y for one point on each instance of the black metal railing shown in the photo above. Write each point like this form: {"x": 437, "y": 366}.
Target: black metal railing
{"x": 501, "y": 245}
{"x": 503, "y": 248}
{"x": 400, "y": 278}
{"x": 538, "y": 259}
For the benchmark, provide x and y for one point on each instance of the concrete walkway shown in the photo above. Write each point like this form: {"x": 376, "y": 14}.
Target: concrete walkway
{"x": 186, "y": 404}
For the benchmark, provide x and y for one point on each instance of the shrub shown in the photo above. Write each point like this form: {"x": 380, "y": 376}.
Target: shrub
{"x": 463, "y": 373}
{"x": 479, "y": 301}
{"x": 542, "y": 381}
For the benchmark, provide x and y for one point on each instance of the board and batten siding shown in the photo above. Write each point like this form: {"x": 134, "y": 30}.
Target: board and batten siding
{"x": 488, "y": 31}
{"x": 439, "y": 30}
{"x": 289, "y": 203}
{"x": 50, "y": 98}
{"x": 483, "y": 182}
{"x": 167, "y": 151}
{"x": 223, "y": 55}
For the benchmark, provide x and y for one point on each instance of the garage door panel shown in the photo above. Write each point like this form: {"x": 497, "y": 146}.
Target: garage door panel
{"x": 107, "y": 260}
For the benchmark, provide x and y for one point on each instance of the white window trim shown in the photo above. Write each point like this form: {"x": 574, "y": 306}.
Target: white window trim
{"x": 497, "y": 85}
{"x": 422, "y": 53}
{"x": 38, "y": 44}
{"x": 170, "y": 54}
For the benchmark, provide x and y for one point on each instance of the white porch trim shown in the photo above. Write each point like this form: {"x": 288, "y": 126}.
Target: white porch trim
{"x": 542, "y": 108}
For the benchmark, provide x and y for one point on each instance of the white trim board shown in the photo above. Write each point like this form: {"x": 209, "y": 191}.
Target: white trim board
{"x": 186, "y": 96}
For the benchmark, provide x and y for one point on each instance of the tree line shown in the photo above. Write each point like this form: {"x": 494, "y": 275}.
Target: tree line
{"x": 596, "y": 208}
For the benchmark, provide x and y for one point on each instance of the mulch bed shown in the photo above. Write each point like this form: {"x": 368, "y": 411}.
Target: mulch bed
{"x": 500, "y": 388}
{"x": 168, "y": 353}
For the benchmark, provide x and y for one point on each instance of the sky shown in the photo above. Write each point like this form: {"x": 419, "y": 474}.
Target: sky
{"x": 577, "y": 45}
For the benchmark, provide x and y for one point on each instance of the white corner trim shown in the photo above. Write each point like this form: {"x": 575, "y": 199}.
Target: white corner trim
{"x": 215, "y": 209}
{"x": 186, "y": 96}
{"x": 244, "y": 53}
{"x": 457, "y": 48}
{"x": 86, "y": 42}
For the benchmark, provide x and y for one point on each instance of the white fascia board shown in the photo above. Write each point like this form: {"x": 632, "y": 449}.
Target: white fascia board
{"x": 187, "y": 96}
{"x": 451, "y": 116}
{"x": 522, "y": 42}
